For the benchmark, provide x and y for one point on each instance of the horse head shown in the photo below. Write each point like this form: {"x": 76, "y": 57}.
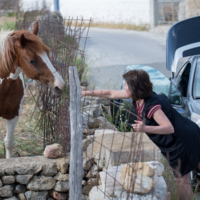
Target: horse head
{"x": 34, "y": 60}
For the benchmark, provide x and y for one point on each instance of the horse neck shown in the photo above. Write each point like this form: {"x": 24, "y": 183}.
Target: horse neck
{"x": 13, "y": 74}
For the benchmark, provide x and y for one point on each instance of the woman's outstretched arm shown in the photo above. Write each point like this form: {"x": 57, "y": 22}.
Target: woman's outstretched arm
{"x": 111, "y": 94}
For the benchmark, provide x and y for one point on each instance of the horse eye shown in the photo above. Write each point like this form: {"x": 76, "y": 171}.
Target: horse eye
{"x": 33, "y": 62}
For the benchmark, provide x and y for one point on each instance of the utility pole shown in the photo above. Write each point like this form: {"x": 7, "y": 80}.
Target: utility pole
{"x": 56, "y": 5}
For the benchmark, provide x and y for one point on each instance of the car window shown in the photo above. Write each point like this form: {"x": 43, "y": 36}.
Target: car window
{"x": 196, "y": 84}
{"x": 183, "y": 81}
{"x": 164, "y": 87}
{"x": 180, "y": 72}
{"x": 161, "y": 84}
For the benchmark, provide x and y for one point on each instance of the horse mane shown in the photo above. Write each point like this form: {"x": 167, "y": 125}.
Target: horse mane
{"x": 10, "y": 52}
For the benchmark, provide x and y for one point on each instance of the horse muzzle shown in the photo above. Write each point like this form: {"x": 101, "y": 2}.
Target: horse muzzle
{"x": 57, "y": 90}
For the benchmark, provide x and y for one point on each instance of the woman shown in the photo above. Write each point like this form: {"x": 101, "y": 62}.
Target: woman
{"x": 177, "y": 137}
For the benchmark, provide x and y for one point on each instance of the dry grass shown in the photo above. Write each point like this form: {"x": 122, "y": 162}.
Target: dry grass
{"x": 141, "y": 27}
{"x": 7, "y": 19}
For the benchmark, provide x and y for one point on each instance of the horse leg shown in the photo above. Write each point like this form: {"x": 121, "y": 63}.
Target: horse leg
{"x": 9, "y": 140}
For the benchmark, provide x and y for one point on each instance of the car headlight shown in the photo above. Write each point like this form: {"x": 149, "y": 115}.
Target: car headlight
{"x": 195, "y": 118}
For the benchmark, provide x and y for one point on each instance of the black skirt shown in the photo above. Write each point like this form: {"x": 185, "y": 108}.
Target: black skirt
{"x": 182, "y": 148}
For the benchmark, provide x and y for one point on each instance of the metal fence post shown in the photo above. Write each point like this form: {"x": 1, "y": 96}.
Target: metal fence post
{"x": 76, "y": 157}
{"x": 153, "y": 13}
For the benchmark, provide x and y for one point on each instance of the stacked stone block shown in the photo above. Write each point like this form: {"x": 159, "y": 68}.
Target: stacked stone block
{"x": 30, "y": 178}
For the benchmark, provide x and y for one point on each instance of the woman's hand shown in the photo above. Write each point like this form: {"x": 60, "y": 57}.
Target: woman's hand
{"x": 83, "y": 93}
{"x": 139, "y": 126}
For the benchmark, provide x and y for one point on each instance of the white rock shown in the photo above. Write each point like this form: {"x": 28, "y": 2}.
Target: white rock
{"x": 137, "y": 183}
{"x": 100, "y": 132}
{"x": 110, "y": 180}
{"x": 160, "y": 188}
{"x": 94, "y": 110}
{"x": 93, "y": 173}
{"x": 87, "y": 142}
{"x": 157, "y": 166}
{"x": 129, "y": 196}
{"x": 97, "y": 194}
{"x": 86, "y": 119}
{"x": 113, "y": 149}
{"x": 139, "y": 167}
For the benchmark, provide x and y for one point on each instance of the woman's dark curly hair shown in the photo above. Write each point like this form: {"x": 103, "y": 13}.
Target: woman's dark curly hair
{"x": 138, "y": 83}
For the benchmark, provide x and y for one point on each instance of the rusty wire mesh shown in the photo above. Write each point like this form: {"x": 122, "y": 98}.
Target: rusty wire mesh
{"x": 108, "y": 143}
{"x": 112, "y": 148}
{"x": 67, "y": 39}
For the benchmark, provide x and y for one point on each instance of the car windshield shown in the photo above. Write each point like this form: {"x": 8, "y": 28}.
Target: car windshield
{"x": 161, "y": 84}
{"x": 196, "y": 84}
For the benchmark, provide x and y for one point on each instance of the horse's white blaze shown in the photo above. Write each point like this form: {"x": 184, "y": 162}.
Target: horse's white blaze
{"x": 58, "y": 82}
{"x": 11, "y": 124}
{"x": 4, "y": 34}
{"x": 16, "y": 74}
{"x": 1, "y": 80}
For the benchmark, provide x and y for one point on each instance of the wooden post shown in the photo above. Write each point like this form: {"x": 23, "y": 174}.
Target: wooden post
{"x": 76, "y": 157}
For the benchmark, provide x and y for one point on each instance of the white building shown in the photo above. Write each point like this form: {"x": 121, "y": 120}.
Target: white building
{"x": 111, "y": 11}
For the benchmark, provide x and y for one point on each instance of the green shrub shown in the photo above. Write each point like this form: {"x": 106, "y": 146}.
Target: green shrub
{"x": 10, "y": 14}
{"x": 8, "y": 26}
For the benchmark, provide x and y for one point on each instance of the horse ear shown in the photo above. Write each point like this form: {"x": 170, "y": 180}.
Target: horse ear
{"x": 22, "y": 41}
{"x": 35, "y": 28}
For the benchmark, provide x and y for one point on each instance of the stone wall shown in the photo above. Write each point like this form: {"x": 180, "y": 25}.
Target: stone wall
{"x": 192, "y": 8}
{"x": 105, "y": 152}
{"x": 40, "y": 178}
{"x": 30, "y": 178}
{"x": 188, "y": 8}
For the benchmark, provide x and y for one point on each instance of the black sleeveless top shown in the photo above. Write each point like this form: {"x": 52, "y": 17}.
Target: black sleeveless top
{"x": 183, "y": 144}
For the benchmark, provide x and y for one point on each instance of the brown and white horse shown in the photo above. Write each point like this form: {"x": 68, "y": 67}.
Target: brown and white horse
{"x": 22, "y": 51}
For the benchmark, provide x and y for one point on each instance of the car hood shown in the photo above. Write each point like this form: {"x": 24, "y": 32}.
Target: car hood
{"x": 183, "y": 40}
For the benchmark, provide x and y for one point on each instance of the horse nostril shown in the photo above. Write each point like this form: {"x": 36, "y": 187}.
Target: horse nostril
{"x": 58, "y": 90}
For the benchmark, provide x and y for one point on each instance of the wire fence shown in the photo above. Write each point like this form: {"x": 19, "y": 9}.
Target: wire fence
{"x": 67, "y": 39}
{"x": 118, "y": 163}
